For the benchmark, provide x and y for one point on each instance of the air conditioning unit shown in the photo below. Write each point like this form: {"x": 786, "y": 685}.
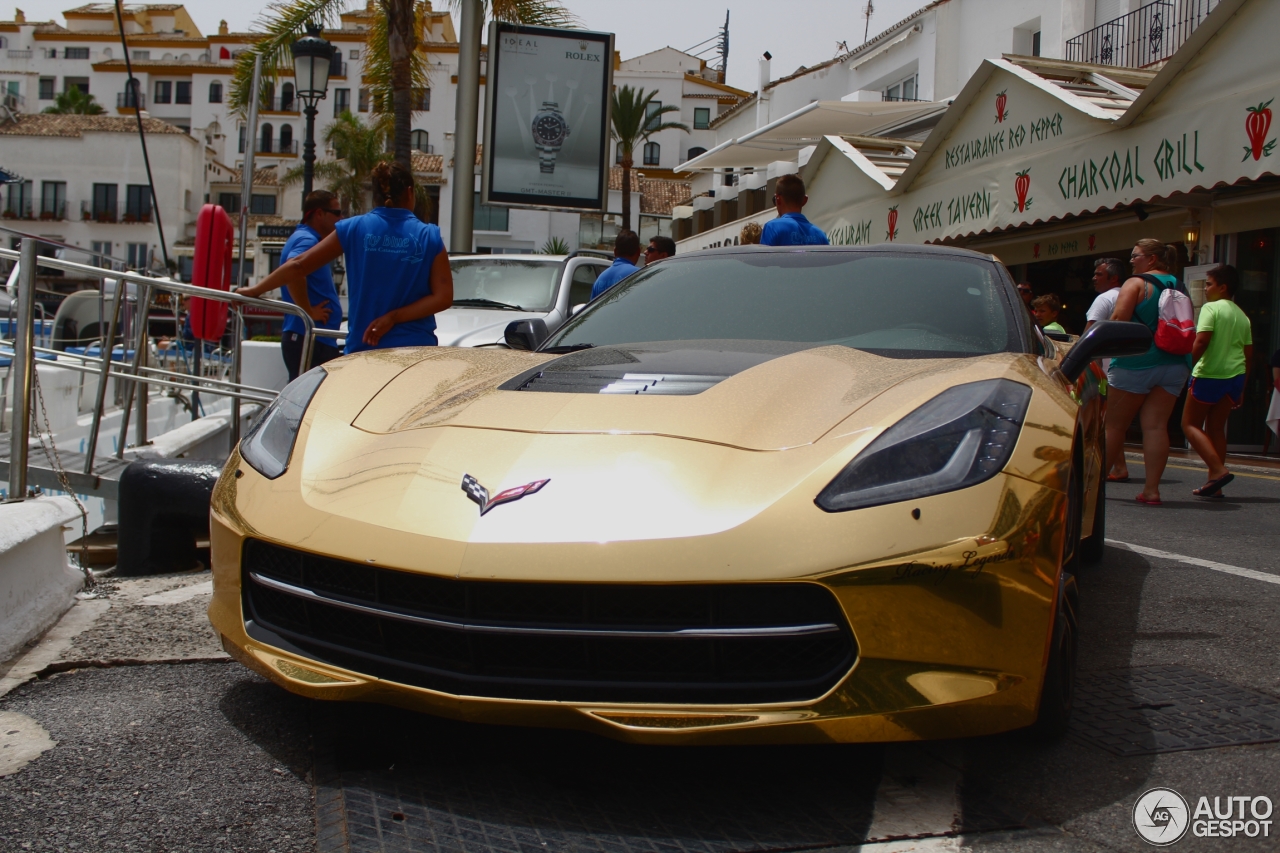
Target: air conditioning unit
{"x": 12, "y": 102}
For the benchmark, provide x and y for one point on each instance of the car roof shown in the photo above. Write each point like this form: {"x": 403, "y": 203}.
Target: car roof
{"x": 879, "y": 248}
{"x": 545, "y": 259}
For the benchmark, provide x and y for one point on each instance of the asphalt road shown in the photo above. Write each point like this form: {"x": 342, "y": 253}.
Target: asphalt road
{"x": 206, "y": 756}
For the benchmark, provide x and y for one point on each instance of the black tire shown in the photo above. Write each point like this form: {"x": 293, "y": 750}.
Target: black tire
{"x": 1057, "y": 694}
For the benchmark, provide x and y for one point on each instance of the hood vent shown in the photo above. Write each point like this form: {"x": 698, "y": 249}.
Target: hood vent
{"x": 591, "y": 382}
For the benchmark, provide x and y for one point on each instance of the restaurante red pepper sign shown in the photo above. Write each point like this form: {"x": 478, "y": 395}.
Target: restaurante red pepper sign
{"x": 1258, "y": 124}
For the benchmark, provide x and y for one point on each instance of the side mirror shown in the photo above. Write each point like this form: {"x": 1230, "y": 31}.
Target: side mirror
{"x": 575, "y": 310}
{"x": 528, "y": 335}
{"x": 1105, "y": 339}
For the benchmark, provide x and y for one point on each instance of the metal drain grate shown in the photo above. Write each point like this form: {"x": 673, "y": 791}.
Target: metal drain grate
{"x": 1153, "y": 709}
{"x": 388, "y": 780}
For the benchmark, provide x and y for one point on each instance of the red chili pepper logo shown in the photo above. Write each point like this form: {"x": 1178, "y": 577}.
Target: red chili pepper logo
{"x": 1022, "y": 186}
{"x": 893, "y": 223}
{"x": 1002, "y": 100}
{"x": 1035, "y": 250}
{"x": 1258, "y": 124}
{"x": 1092, "y": 241}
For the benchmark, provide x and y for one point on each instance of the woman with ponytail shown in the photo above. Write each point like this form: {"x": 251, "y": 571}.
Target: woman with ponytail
{"x": 398, "y": 275}
{"x": 1144, "y": 385}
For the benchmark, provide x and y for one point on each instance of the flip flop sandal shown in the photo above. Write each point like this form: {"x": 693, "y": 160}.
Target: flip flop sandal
{"x": 1143, "y": 499}
{"x": 1111, "y": 479}
{"x": 1212, "y": 487}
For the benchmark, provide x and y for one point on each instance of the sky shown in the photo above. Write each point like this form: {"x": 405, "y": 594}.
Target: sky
{"x": 796, "y": 32}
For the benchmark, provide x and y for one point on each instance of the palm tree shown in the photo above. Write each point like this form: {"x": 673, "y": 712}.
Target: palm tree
{"x": 74, "y": 101}
{"x": 635, "y": 119}
{"x": 395, "y": 61}
{"x": 359, "y": 147}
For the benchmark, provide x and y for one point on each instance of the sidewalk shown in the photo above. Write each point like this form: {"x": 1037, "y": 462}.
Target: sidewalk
{"x": 121, "y": 622}
{"x": 1236, "y": 462}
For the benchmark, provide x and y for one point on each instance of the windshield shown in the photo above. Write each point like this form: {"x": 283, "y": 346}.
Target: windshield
{"x": 530, "y": 285}
{"x": 904, "y": 306}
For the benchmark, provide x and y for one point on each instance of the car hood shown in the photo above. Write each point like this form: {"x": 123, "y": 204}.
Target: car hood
{"x": 751, "y": 395}
{"x": 468, "y": 327}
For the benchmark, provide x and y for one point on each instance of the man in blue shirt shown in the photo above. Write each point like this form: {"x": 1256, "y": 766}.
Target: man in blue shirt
{"x": 626, "y": 251}
{"x": 320, "y": 213}
{"x": 791, "y": 228}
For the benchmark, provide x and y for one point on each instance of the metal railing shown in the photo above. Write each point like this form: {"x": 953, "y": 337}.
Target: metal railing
{"x": 128, "y": 99}
{"x": 19, "y": 53}
{"x": 1143, "y": 37}
{"x": 98, "y": 212}
{"x": 53, "y": 209}
{"x": 134, "y": 372}
{"x": 15, "y": 209}
{"x": 281, "y": 104}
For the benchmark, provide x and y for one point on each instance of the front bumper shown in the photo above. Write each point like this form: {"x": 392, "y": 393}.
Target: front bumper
{"x": 951, "y": 640}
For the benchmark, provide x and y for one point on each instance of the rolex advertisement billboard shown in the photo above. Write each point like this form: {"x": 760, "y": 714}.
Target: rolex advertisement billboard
{"x": 546, "y": 140}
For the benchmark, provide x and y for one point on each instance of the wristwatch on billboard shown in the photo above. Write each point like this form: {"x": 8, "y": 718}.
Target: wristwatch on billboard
{"x": 549, "y": 133}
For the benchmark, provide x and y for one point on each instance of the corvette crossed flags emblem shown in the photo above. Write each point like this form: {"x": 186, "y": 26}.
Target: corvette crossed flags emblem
{"x": 480, "y": 494}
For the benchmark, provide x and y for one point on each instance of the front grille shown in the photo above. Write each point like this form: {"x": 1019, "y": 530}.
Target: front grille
{"x": 676, "y": 643}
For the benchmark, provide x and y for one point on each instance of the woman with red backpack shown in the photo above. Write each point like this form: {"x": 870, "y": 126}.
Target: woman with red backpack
{"x": 1147, "y": 385}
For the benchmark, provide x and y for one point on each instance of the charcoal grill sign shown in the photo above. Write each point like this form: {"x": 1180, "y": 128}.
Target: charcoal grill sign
{"x": 546, "y": 136}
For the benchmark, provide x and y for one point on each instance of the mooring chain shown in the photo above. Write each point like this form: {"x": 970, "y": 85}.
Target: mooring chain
{"x": 51, "y": 454}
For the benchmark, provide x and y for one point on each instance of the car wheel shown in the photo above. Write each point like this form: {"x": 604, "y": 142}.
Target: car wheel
{"x": 1057, "y": 694}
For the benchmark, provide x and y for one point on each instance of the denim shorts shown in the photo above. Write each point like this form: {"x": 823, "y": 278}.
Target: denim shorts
{"x": 1210, "y": 391}
{"x": 1170, "y": 377}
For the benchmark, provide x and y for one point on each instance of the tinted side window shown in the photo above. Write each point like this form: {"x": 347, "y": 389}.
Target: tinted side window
{"x": 580, "y": 285}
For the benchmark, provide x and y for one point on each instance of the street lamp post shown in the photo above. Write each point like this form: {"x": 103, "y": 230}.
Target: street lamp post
{"x": 312, "y": 57}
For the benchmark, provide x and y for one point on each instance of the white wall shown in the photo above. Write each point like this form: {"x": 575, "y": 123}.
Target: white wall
{"x": 37, "y": 584}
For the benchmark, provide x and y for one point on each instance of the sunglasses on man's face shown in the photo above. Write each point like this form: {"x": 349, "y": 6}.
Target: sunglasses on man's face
{"x": 337, "y": 212}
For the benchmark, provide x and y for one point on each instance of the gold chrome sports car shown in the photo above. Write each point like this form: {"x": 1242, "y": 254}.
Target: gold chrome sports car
{"x": 766, "y": 495}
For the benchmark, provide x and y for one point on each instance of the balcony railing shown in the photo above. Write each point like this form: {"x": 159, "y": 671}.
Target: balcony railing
{"x": 131, "y": 100}
{"x": 337, "y": 68}
{"x": 281, "y": 104}
{"x": 907, "y": 100}
{"x": 16, "y": 53}
{"x": 53, "y": 209}
{"x": 273, "y": 146}
{"x": 17, "y": 209}
{"x": 1143, "y": 37}
{"x": 91, "y": 212}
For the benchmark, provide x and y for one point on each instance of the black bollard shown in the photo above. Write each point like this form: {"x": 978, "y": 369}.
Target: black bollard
{"x": 164, "y": 510}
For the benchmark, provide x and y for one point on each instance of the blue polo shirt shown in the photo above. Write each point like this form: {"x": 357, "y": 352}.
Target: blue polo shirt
{"x": 319, "y": 286}
{"x": 389, "y": 255}
{"x": 792, "y": 229}
{"x": 621, "y": 269}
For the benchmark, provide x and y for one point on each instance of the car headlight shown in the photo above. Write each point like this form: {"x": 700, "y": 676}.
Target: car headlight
{"x": 269, "y": 444}
{"x": 959, "y": 438}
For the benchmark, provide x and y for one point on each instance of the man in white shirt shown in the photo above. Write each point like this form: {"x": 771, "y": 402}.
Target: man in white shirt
{"x": 1108, "y": 275}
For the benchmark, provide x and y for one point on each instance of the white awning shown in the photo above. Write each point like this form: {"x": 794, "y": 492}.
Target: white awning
{"x": 783, "y": 139}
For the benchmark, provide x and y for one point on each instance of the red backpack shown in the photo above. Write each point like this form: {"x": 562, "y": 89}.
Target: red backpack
{"x": 1175, "y": 331}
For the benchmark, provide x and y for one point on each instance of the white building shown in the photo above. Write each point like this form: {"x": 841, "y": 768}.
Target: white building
{"x": 927, "y": 57}
{"x": 67, "y": 196}
{"x": 184, "y": 78}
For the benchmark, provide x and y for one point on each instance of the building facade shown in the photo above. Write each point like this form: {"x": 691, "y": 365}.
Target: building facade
{"x": 184, "y": 79}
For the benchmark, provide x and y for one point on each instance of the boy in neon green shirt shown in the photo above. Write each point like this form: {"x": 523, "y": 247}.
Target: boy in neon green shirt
{"x": 1223, "y": 350}
{"x": 1046, "y": 308}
